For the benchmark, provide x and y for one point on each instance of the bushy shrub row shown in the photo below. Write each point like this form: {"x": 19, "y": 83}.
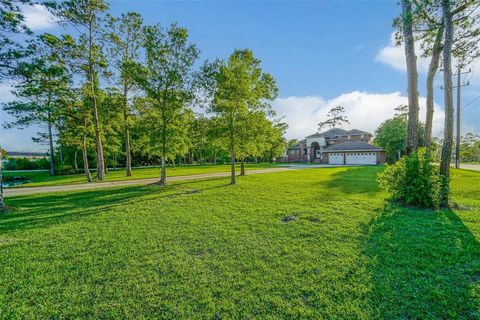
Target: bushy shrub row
{"x": 27, "y": 164}
{"x": 414, "y": 181}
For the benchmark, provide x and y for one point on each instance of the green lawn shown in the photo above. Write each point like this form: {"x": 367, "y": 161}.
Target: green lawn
{"x": 43, "y": 178}
{"x": 313, "y": 243}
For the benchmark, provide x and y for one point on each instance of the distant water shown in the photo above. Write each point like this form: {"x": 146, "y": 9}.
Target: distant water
{"x": 9, "y": 184}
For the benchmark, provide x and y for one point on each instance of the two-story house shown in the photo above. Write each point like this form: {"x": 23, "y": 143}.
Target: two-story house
{"x": 337, "y": 146}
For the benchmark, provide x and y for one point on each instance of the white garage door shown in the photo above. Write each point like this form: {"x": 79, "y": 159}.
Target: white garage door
{"x": 361, "y": 158}
{"x": 335, "y": 158}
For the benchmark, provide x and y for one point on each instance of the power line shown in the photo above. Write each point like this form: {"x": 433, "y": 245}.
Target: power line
{"x": 470, "y": 103}
{"x": 466, "y": 105}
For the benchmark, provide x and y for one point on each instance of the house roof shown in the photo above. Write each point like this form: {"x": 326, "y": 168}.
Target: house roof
{"x": 352, "y": 146}
{"x": 332, "y": 133}
{"x": 335, "y": 132}
{"x": 294, "y": 146}
{"x": 315, "y": 135}
{"x": 356, "y": 131}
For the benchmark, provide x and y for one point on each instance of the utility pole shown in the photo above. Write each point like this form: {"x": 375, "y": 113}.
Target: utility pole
{"x": 458, "y": 135}
{"x": 459, "y": 86}
{"x": 457, "y": 144}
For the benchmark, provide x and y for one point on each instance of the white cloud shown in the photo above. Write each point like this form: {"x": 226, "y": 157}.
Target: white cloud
{"x": 37, "y": 17}
{"x": 394, "y": 56}
{"x": 366, "y": 111}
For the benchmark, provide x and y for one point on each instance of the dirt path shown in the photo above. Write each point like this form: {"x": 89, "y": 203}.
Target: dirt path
{"x": 10, "y": 192}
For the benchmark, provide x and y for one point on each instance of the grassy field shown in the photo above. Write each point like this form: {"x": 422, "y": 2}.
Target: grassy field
{"x": 313, "y": 243}
{"x": 43, "y": 178}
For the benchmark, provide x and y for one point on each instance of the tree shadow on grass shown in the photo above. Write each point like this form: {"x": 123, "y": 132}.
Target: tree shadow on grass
{"x": 354, "y": 180}
{"x": 44, "y": 210}
{"x": 423, "y": 265}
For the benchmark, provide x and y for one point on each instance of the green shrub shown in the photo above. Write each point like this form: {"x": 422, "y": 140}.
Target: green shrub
{"x": 27, "y": 164}
{"x": 43, "y": 164}
{"x": 413, "y": 181}
{"x": 21, "y": 164}
{"x": 64, "y": 169}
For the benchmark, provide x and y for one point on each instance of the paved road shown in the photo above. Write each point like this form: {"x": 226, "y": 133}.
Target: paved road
{"x": 470, "y": 166}
{"x": 108, "y": 184}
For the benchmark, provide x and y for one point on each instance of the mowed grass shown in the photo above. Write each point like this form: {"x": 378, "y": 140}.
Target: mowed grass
{"x": 43, "y": 178}
{"x": 313, "y": 243}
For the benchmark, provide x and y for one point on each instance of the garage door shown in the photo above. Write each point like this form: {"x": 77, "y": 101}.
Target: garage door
{"x": 361, "y": 158}
{"x": 335, "y": 158}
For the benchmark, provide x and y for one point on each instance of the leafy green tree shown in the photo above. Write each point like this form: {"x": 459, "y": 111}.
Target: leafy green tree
{"x": 257, "y": 136}
{"x": 167, "y": 79}
{"x": 275, "y": 143}
{"x": 462, "y": 10}
{"x": 429, "y": 29}
{"x": 125, "y": 36}
{"x": 292, "y": 142}
{"x": 42, "y": 85}
{"x": 242, "y": 88}
{"x": 470, "y": 148}
{"x": 86, "y": 55}
{"x": 251, "y": 136}
{"x": 198, "y": 137}
{"x": 335, "y": 117}
{"x": 76, "y": 126}
{"x": 444, "y": 28}
{"x": 11, "y": 24}
{"x": 216, "y": 139}
{"x": 112, "y": 113}
{"x": 391, "y": 135}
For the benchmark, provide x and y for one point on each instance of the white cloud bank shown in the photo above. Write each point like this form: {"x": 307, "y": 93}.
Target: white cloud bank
{"x": 37, "y": 17}
{"x": 394, "y": 56}
{"x": 365, "y": 111}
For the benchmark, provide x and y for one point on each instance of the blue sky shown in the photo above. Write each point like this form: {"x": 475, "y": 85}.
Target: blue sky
{"x": 322, "y": 53}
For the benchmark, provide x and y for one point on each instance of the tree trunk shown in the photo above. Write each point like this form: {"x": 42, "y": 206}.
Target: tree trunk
{"x": 412, "y": 76}
{"x": 163, "y": 174}
{"x": 432, "y": 71}
{"x": 93, "y": 97}
{"x": 448, "y": 96}
{"x": 75, "y": 164}
{"x": 88, "y": 176}
{"x": 233, "y": 177}
{"x": 50, "y": 141}
{"x": 242, "y": 167}
{"x": 128, "y": 155}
